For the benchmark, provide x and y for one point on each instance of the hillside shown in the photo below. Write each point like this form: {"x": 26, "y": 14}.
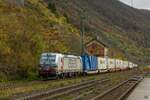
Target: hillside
{"x": 26, "y": 32}
{"x": 54, "y": 26}
{"x": 116, "y": 24}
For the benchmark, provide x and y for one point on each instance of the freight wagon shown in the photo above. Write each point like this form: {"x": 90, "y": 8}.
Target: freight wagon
{"x": 102, "y": 65}
{"x": 90, "y": 64}
{"x": 121, "y": 64}
{"x": 118, "y": 65}
{"x": 111, "y": 64}
{"x": 125, "y": 65}
{"x": 130, "y": 65}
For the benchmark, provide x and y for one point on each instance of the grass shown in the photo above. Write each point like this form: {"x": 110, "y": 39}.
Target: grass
{"x": 147, "y": 71}
{"x": 115, "y": 78}
{"x": 29, "y": 87}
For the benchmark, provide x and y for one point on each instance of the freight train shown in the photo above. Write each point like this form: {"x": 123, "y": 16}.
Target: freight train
{"x": 61, "y": 65}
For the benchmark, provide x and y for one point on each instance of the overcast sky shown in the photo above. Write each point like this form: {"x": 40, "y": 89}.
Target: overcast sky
{"x": 141, "y": 4}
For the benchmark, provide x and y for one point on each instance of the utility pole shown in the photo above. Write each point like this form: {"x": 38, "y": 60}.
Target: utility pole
{"x": 65, "y": 2}
{"x": 82, "y": 17}
{"x": 132, "y": 3}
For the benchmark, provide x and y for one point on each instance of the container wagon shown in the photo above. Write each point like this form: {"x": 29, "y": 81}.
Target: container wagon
{"x": 118, "y": 65}
{"x": 121, "y": 65}
{"x": 130, "y": 65}
{"x": 111, "y": 64}
{"x": 125, "y": 65}
{"x": 90, "y": 64}
{"x": 102, "y": 65}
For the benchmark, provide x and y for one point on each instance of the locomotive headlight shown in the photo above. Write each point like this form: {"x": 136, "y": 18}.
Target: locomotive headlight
{"x": 40, "y": 68}
{"x": 46, "y": 68}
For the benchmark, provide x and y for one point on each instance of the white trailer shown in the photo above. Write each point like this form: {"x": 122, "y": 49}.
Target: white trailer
{"x": 72, "y": 63}
{"x": 102, "y": 64}
{"x": 130, "y": 65}
{"x": 136, "y": 65}
{"x": 122, "y": 65}
{"x": 125, "y": 65}
{"x": 118, "y": 64}
{"x": 112, "y": 64}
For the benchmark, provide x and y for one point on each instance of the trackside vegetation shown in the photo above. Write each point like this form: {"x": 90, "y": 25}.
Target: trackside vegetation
{"x": 27, "y": 31}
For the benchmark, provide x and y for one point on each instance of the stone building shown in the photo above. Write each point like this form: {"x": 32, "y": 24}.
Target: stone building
{"x": 96, "y": 48}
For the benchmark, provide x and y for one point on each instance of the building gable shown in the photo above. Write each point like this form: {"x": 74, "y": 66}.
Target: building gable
{"x": 96, "y": 48}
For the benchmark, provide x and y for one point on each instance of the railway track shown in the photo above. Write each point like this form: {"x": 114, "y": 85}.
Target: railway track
{"x": 120, "y": 91}
{"x": 5, "y": 86}
{"x": 52, "y": 94}
{"x": 83, "y": 91}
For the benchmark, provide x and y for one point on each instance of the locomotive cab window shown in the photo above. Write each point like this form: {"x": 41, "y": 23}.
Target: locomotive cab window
{"x": 48, "y": 60}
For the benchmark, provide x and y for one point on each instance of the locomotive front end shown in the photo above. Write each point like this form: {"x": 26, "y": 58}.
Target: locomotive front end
{"x": 47, "y": 66}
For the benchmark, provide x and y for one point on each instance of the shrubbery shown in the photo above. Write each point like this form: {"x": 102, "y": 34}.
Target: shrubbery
{"x": 25, "y": 32}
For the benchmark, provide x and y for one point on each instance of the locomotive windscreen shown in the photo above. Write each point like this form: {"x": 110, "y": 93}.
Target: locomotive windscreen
{"x": 47, "y": 59}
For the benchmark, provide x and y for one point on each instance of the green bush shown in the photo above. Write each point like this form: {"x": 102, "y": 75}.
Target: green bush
{"x": 3, "y": 77}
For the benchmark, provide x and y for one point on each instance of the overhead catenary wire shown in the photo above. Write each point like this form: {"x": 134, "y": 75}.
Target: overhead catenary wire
{"x": 132, "y": 3}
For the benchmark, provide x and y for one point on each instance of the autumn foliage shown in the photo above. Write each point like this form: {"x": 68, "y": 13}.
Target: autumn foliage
{"x": 26, "y": 32}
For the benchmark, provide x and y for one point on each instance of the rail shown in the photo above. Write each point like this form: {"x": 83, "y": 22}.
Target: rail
{"x": 120, "y": 91}
{"x": 54, "y": 93}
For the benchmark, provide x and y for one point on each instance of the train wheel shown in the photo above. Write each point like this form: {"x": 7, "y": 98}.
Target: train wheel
{"x": 58, "y": 77}
{"x": 63, "y": 76}
{"x": 44, "y": 78}
{"x": 76, "y": 74}
{"x": 84, "y": 74}
{"x": 70, "y": 75}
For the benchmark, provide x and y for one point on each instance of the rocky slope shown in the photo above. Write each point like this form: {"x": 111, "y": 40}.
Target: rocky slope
{"x": 115, "y": 23}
